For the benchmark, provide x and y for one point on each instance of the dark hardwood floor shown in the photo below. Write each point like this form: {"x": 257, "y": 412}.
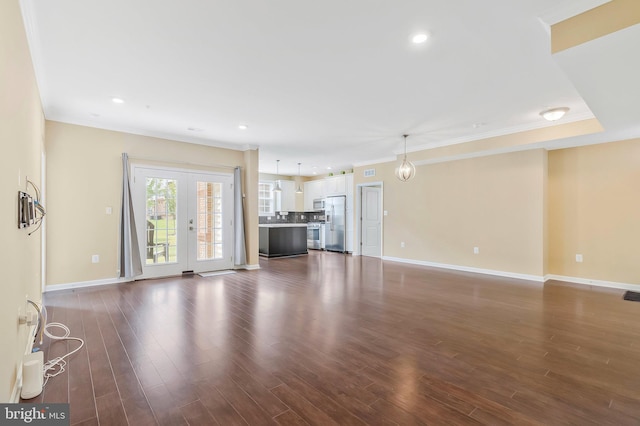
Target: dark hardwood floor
{"x": 332, "y": 339}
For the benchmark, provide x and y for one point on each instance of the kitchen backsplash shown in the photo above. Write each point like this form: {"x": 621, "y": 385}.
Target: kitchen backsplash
{"x": 293, "y": 217}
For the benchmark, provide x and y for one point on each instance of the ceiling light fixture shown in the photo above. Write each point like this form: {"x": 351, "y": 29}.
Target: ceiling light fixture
{"x": 406, "y": 170}
{"x": 299, "y": 190}
{"x": 554, "y": 114}
{"x": 117, "y": 100}
{"x": 277, "y": 188}
{"x": 419, "y": 38}
{"x": 243, "y": 126}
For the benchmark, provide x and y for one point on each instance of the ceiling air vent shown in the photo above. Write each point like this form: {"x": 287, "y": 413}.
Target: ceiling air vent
{"x": 369, "y": 172}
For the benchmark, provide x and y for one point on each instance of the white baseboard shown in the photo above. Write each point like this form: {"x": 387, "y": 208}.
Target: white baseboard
{"x": 597, "y": 283}
{"x": 252, "y": 267}
{"x": 536, "y": 278}
{"x": 81, "y": 284}
{"x": 17, "y": 387}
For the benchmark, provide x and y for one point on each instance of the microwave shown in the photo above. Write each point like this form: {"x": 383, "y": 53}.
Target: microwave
{"x": 318, "y": 204}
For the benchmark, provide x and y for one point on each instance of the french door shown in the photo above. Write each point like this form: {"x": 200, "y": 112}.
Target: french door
{"x": 184, "y": 220}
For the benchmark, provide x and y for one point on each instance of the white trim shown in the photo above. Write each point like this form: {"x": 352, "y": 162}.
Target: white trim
{"x": 514, "y": 130}
{"x": 590, "y": 282}
{"x": 536, "y": 278}
{"x": 63, "y": 117}
{"x": 82, "y": 284}
{"x": 17, "y": 386}
{"x": 372, "y": 162}
{"x": 249, "y": 267}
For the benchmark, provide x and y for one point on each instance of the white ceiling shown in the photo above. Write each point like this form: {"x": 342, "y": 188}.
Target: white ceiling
{"x": 325, "y": 83}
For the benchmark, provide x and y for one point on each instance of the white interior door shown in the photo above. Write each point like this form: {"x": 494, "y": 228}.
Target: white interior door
{"x": 371, "y": 226}
{"x": 184, "y": 220}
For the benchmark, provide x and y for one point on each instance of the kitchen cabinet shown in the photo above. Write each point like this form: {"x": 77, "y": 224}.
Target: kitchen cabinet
{"x": 282, "y": 239}
{"x": 335, "y": 185}
{"x": 313, "y": 190}
{"x": 286, "y": 199}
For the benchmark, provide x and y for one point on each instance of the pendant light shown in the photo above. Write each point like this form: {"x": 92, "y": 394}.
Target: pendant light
{"x": 299, "y": 190}
{"x": 277, "y": 188}
{"x": 406, "y": 170}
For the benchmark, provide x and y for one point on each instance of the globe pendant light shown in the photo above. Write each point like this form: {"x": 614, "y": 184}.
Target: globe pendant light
{"x": 299, "y": 190}
{"x": 406, "y": 170}
{"x": 277, "y": 188}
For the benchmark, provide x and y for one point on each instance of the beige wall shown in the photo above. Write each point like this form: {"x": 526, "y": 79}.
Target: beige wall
{"x": 529, "y": 212}
{"x": 21, "y": 136}
{"x": 594, "y": 195}
{"x": 84, "y": 176}
{"x": 250, "y": 182}
{"x": 608, "y": 18}
{"x": 495, "y": 203}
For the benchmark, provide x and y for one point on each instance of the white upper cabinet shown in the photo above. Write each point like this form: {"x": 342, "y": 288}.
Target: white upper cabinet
{"x": 286, "y": 200}
{"x": 335, "y": 185}
{"x": 313, "y": 190}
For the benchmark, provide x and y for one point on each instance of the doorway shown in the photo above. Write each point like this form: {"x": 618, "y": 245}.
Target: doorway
{"x": 184, "y": 220}
{"x": 369, "y": 207}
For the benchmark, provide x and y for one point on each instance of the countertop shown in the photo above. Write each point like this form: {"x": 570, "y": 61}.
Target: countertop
{"x": 282, "y": 225}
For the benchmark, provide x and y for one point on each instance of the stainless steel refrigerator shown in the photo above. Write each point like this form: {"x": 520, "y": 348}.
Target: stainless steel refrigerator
{"x": 334, "y": 230}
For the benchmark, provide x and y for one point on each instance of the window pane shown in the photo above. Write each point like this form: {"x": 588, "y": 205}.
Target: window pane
{"x": 161, "y": 221}
{"x": 209, "y": 220}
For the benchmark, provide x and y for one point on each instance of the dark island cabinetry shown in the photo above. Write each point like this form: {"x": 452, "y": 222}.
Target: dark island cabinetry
{"x": 283, "y": 240}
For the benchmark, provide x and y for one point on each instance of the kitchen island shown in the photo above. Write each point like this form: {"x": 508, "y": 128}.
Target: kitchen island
{"x": 283, "y": 239}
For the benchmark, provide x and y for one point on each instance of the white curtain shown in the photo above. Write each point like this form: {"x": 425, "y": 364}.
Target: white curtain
{"x": 130, "y": 263}
{"x": 240, "y": 254}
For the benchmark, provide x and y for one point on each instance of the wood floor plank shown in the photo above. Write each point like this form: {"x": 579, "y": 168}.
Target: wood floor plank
{"x": 243, "y": 403}
{"x": 265, "y": 399}
{"x": 197, "y": 415}
{"x": 289, "y": 418}
{"x": 110, "y": 410}
{"x": 164, "y": 409}
{"x": 334, "y": 339}
{"x": 302, "y": 407}
{"x": 218, "y": 406}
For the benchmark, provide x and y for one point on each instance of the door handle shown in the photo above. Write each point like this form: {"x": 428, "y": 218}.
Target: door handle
{"x": 191, "y": 228}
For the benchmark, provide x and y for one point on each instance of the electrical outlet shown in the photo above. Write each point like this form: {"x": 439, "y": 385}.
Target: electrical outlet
{"x": 95, "y": 258}
{"x": 108, "y": 210}
{"x": 402, "y": 244}
{"x": 476, "y": 250}
{"x": 579, "y": 258}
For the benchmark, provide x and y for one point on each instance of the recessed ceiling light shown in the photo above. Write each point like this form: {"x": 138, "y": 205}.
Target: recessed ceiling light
{"x": 243, "y": 126}
{"x": 329, "y": 168}
{"x": 419, "y": 38}
{"x": 478, "y": 125}
{"x": 554, "y": 114}
{"x": 117, "y": 100}
{"x": 194, "y": 129}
